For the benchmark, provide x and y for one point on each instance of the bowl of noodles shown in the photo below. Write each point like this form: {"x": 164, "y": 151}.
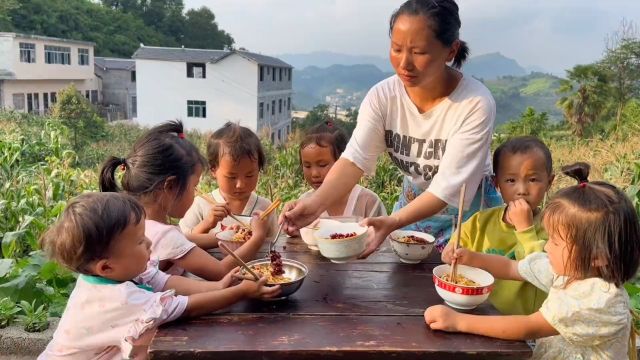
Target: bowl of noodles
{"x": 290, "y": 281}
{"x": 471, "y": 288}
{"x": 411, "y": 246}
{"x": 340, "y": 242}
{"x": 233, "y": 239}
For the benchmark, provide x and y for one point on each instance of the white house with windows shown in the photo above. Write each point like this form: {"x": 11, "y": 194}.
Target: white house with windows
{"x": 206, "y": 88}
{"x": 33, "y": 69}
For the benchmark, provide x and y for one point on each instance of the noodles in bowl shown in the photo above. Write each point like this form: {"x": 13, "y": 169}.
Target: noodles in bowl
{"x": 290, "y": 281}
{"x": 460, "y": 280}
{"x": 472, "y": 286}
{"x": 411, "y": 246}
{"x": 266, "y": 270}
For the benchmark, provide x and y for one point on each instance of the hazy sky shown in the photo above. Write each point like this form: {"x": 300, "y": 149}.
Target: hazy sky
{"x": 552, "y": 34}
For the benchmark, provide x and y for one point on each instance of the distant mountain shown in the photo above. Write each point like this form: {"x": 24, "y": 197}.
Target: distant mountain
{"x": 492, "y": 66}
{"x": 325, "y": 59}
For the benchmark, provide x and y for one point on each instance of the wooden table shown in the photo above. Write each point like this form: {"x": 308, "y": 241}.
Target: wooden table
{"x": 369, "y": 309}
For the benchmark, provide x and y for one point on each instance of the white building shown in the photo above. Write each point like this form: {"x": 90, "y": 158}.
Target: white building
{"x": 206, "y": 88}
{"x": 118, "y": 80}
{"x": 33, "y": 69}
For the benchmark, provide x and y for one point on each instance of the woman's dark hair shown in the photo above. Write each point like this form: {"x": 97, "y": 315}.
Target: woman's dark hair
{"x": 599, "y": 224}
{"x": 443, "y": 19}
{"x": 236, "y": 141}
{"x": 161, "y": 153}
{"x": 88, "y": 227}
{"x": 326, "y": 134}
{"x": 522, "y": 145}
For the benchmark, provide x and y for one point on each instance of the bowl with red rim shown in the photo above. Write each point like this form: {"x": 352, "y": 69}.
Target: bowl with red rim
{"x": 340, "y": 242}
{"x": 411, "y": 246}
{"x": 462, "y": 296}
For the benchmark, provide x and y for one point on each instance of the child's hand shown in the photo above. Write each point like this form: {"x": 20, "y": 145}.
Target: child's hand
{"x": 259, "y": 228}
{"x": 258, "y": 290}
{"x": 216, "y": 214}
{"x": 520, "y": 214}
{"x": 382, "y": 226}
{"x": 461, "y": 256}
{"x": 229, "y": 279}
{"x": 440, "y": 317}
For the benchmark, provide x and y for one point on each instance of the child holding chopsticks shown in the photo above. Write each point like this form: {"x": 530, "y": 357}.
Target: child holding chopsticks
{"x": 319, "y": 150}
{"x": 523, "y": 173}
{"x": 162, "y": 171}
{"x": 235, "y": 158}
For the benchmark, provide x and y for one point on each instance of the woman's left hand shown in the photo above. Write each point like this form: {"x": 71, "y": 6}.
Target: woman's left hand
{"x": 381, "y": 227}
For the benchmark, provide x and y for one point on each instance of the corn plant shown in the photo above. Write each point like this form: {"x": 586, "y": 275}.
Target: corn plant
{"x": 33, "y": 319}
{"x": 8, "y": 310}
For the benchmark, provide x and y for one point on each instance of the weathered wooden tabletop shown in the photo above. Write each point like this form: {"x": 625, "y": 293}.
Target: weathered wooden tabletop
{"x": 369, "y": 309}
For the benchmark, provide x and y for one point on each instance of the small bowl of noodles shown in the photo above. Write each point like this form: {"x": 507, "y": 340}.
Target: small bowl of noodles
{"x": 290, "y": 281}
{"x": 234, "y": 238}
{"x": 470, "y": 289}
{"x": 411, "y": 246}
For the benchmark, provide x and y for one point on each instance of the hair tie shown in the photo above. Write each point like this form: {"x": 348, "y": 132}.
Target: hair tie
{"x": 123, "y": 164}
{"x": 181, "y": 135}
{"x": 583, "y": 184}
{"x": 329, "y": 124}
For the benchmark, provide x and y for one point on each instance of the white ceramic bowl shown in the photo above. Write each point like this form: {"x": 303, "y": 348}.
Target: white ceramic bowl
{"x": 226, "y": 237}
{"x": 411, "y": 253}
{"x": 463, "y": 297}
{"x": 340, "y": 250}
{"x": 306, "y": 233}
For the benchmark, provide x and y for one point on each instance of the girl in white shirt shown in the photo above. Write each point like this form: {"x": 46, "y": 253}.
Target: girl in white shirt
{"x": 120, "y": 296}
{"x": 593, "y": 249}
{"x": 319, "y": 150}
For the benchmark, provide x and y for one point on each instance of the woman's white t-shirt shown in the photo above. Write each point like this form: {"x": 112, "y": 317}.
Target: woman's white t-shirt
{"x": 438, "y": 150}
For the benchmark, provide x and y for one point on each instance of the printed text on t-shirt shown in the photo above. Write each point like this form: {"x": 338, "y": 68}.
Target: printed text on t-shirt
{"x": 411, "y": 147}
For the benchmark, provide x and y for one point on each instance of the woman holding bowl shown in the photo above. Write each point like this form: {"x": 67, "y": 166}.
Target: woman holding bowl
{"x": 434, "y": 122}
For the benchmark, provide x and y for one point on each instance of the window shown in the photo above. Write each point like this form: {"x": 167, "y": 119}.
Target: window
{"x": 273, "y": 105}
{"x": 273, "y": 137}
{"x": 196, "y": 71}
{"x": 134, "y": 106}
{"x": 279, "y": 106}
{"x": 281, "y": 73}
{"x": 33, "y": 102}
{"x": 45, "y": 101}
{"x": 83, "y": 57}
{"x": 267, "y": 108}
{"x": 54, "y": 99}
{"x": 57, "y": 55}
{"x": 279, "y": 135}
{"x": 273, "y": 75}
{"x": 18, "y": 101}
{"x": 261, "y": 110}
{"x": 94, "y": 97}
{"x": 27, "y": 53}
{"x": 261, "y": 73}
{"x": 133, "y": 76}
{"x": 196, "y": 108}
{"x": 87, "y": 94}
{"x": 289, "y": 103}
{"x": 289, "y": 74}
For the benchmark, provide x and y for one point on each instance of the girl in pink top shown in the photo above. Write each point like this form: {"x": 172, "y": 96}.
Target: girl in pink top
{"x": 120, "y": 295}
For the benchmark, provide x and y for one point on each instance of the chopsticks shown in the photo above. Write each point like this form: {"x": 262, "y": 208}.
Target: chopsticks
{"x": 239, "y": 261}
{"x": 274, "y": 205}
{"x": 456, "y": 242}
{"x": 210, "y": 200}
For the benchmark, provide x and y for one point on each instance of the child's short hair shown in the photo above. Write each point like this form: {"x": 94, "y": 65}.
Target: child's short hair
{"x": 87, "y": 228}
{"x": 522, "y": 145}
{"x": 326, "y": 134}
{"x": 161, "y": 153}
{"x": 599, "y": 222}
{"x": 237, "y": 142}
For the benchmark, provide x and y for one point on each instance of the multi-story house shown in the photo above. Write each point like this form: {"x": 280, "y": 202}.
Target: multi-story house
{"x": 33, "y": 69}
{"x": 118, "y": 79}
{"x": 206, "y": 88}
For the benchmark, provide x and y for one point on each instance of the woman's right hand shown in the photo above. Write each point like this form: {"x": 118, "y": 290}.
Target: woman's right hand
{"x": 259, "y": 290}
{"x": 298, "y": 214}
{"x": 382, "y": 226}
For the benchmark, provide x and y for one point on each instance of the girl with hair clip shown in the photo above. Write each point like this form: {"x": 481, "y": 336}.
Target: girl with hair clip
{"x": 593, "y": 249}
{"x": 320, "y": 148}
{"x": 120, "y": 296}
{"x": 162, "y": 171}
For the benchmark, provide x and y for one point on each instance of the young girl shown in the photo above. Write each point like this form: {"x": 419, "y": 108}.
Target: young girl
{"x": 523, "y": 174}
{"x": 162, "y": 171}
{"x": 593, "y": 249}
{"x": 319, "y": 150}
{"x": 235, "y": 158}
{"x": 118, "y": 298}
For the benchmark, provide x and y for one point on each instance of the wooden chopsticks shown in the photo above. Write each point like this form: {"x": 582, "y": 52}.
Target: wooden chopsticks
{"x": 453, "y": 276}
{"x": 239, "y": 261}
{"x": 274, "y": 205}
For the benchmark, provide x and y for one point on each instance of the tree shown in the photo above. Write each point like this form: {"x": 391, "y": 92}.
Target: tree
{"x": 584, "y": 96}
{"x": 76, "y": 113}
{"x": 6, "y": 6}
{"x": 622, "y": 61}
{"x": 530, "y": 123}
{"x": 201, "y": 31}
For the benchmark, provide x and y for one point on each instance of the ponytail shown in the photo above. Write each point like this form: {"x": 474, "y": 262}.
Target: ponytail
{"x": 108, "y": 174}
{"x": 461, "y": 55}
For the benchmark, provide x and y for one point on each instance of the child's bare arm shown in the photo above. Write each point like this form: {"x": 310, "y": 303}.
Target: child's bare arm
{"x": 499, "y": 266}
{"x": 186, "y": 286}
{"x": 515, "y": 327}
{"x": 204, "y": 241}
{"x": 207, "y": 302}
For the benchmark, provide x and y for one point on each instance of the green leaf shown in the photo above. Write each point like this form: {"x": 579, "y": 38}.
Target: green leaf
{"x": 10, "y": 243}
{"x": 6, "y": 265}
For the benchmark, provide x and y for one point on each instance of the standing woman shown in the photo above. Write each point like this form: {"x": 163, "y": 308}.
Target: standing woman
{"x": 434, "y": 122}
